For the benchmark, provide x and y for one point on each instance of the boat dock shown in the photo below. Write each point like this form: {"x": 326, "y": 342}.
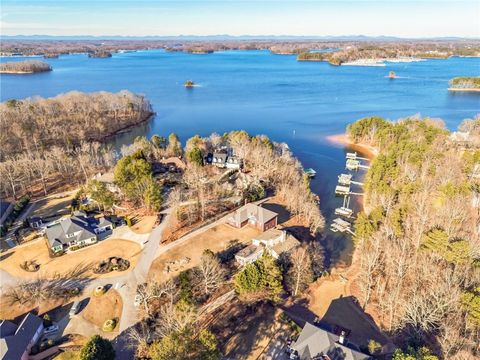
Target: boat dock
{"x": 344, "y": 210}
{"x": 340, "y": 225}
{"x": 353, "y": 164}
{"x": 346, "y": 179}
{"x": 342, "y": 190}
{"x": 354, "y": 156}
{"x": 310, "y": 172}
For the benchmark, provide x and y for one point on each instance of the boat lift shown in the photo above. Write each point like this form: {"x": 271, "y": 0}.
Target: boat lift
{"x": 344, "y": 210}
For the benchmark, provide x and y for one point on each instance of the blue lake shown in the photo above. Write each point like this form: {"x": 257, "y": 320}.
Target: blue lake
{"x": 297, "y": 102}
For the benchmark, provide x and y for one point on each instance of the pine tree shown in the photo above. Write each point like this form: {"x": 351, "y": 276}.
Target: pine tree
{"x": 97, "y": 348}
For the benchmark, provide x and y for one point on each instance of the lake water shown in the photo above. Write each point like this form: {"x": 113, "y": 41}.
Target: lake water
{"x": 297, "y": 102}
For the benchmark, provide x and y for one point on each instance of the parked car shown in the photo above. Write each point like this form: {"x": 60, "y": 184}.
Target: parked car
{"x": 51, "y": 329}
{"x": 138, "y": 300}
{"x": 75, "y": 308}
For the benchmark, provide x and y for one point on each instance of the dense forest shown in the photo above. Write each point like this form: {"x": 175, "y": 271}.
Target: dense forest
{"x": 417, "y": 243}
{"x": 29, "y": 66}
{"x": 67, "y": 119}
{"x": 465, "y": 82}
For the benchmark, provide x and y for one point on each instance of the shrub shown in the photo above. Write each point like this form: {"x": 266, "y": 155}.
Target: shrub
{"x": 374, "y": 347}
{"x": 99, "y": 291}
{"x": 46, "y": 320}
{"x": 109, "y": 325}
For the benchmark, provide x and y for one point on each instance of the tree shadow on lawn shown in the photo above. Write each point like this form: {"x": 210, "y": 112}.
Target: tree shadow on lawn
{"x": 345, "y": 313}
{"x": 7, "y": 255}
{"x": 243, "y": 327}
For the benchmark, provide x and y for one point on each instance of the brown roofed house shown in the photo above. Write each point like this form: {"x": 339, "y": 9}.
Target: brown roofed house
{"x": 255, "y": 215}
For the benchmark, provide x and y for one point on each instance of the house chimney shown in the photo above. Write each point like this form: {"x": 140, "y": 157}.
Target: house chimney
{"x": 341, "y": 338}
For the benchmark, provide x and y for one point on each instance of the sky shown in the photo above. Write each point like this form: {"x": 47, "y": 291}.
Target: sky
{"x": 402, "y": 18}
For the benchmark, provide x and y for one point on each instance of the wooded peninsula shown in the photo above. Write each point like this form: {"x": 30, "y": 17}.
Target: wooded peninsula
{"x": 68, "y": 119}
{"x": 24, "y": 67}
{"x": 417, "y": 243}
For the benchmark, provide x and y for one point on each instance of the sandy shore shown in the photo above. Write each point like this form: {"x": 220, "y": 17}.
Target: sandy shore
{"x": 343, "y": 139}
{"x": 464, "y": 90}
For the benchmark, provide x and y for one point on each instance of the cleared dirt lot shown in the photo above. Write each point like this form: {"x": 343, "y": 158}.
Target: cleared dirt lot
{"x": 54, "y": 206}
{"x": 10, "y": 311}
{"x": 322, "y": 292}
{"x": 216, "y": 239}
{"x": 144, "y": 225}
{"x": 89, "y": 256}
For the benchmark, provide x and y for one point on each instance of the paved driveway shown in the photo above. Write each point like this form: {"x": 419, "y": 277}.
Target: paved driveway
{"x": 124, "y": 232}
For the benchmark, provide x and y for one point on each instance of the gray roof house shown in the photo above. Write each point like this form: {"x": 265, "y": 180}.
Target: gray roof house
{"x": 315, "y": 343}
{"x": 78, "y": 230}
{"x": 255, "y": 215}
{"x": 16, "y": 341}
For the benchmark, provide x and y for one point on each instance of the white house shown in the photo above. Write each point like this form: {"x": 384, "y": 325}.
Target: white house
{"x": 274, "y": 241}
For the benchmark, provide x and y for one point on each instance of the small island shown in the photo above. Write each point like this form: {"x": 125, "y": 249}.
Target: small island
{"x": 100, "y": 54}
{"x": 189, "y": 84}
{"x": 50, "y": 56}
{"x": 465, "y": 83}
{"x": 24, "y": 67}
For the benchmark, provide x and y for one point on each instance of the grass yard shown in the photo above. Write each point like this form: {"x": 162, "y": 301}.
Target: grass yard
{"x": 216, "y": 239}
{"x": 103, "y": 308}
{"x": 86, "y": 257}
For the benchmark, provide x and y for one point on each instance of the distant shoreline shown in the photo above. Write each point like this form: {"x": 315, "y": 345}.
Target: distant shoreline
{"x": 343, "y": 139}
